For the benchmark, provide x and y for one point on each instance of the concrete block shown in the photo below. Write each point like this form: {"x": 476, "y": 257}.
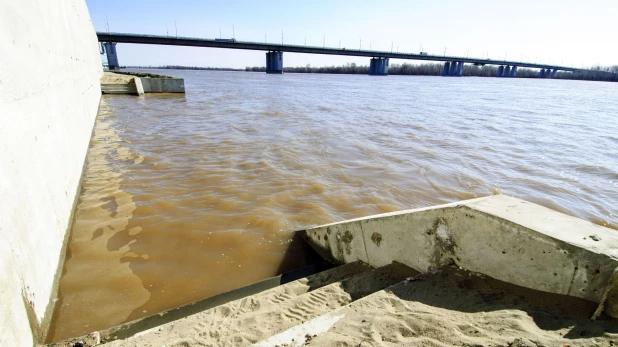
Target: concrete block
{"x": 164, "y": 85}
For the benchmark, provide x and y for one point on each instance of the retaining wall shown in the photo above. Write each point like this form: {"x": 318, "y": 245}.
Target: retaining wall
{"x": 49, "y": 94}
{"x": 153, "y": 83}
{"x": 503, "y": 237}
{"x": 163, "y": 85}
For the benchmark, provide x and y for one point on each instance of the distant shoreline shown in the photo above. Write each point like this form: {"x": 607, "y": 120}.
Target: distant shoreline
{"x": 599, "y": 73}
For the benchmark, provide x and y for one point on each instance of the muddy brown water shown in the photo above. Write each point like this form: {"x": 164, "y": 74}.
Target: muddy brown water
{"x": 188, "y": 196}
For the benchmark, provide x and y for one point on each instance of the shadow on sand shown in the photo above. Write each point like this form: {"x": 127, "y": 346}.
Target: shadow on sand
{"x": 461, "y": 291}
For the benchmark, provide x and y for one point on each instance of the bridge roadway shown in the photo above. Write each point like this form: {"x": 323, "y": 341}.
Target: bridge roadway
{"x": 275, "y": 48}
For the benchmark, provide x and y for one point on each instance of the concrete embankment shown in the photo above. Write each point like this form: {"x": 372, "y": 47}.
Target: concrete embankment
{"x": 49, "y": 95}
{"x": 138, "y": 83}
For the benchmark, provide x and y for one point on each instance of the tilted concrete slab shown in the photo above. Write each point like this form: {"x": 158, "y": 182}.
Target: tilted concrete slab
{"x": 503, "y": 237}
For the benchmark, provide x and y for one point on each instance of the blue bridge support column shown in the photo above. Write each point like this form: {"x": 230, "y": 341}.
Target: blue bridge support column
{"x": 553, "y": 73}
{"x": 447, "y": 69}
{"x": 274, "y": 62}
{"x": 453, "y": 68}
{"x": 112, "y": 56}
{"x": 500, "y": 71}
{"x": 514, "y": 71}
{"x": 378, "y": 67}
{"x": 542, "y": 73}
{"x": 460, "y": 66}
{"x": 507, "y": 71}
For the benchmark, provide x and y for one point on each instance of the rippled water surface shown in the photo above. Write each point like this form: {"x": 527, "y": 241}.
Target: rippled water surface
{"x": 188, "y": 196}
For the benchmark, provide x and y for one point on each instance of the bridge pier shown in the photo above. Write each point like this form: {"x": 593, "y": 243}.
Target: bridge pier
{"x": 274, "y": 62}
{"x": 447, "y": 69}
{"x": 112, "y": 56}
{"x": 460, "y": 68}
{"x": 378, "y": 67}
{"x": 545, "y": 73}
{"x": 548, "y": 73}
{"x": 507, "y": 71}
{"x": 454, "y": 68}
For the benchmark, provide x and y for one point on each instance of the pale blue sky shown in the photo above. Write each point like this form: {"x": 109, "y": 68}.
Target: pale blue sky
{"x": 579, "y": 33}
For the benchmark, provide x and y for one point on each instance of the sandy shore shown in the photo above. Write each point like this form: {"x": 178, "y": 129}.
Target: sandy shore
{"x": 460, "y": 308}
{"x": 113, "y": 78}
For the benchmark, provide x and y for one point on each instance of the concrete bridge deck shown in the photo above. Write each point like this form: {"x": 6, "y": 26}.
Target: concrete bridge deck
{"x": 201, "y": 42}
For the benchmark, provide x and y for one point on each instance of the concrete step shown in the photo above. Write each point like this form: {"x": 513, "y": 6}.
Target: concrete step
{"x": 257, "y": 317}
{"x": 119, "y": 88}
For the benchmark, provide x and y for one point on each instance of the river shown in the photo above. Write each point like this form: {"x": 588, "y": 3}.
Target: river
{"x": 187, "y": 196}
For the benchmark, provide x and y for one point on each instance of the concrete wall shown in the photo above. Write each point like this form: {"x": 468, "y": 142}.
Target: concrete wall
{"x": 163, "y": 85}
{"x": 153, "y": 83}
{"x": 49, "y": 94}
{"x": 503, "y": 237}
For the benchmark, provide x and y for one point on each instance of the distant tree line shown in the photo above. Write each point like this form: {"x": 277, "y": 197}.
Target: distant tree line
{"x": 597, "y": 73}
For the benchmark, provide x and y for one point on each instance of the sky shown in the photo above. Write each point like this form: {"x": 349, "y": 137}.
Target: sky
{"x": 569, "y": 33}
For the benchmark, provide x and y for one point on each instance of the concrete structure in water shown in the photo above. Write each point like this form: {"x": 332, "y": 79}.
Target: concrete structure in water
{"x": 454, "y": 69}
{"x": 274, "y": 62}
{"x": 507, "y": 71}
{"x": 49, "y": 97}
{"x": 140, "y": 83}
{"x": 378, "y": 67}
{"x": 548, "y": 73}
{"x": 511, "y": 71}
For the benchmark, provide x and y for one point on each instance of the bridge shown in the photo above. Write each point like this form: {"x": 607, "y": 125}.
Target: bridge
{"x": 453, "y": 65}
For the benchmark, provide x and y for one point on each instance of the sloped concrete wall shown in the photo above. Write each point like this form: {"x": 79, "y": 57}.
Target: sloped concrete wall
{"x": 503, "y": 237}
{"x": 49, "y": 94}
